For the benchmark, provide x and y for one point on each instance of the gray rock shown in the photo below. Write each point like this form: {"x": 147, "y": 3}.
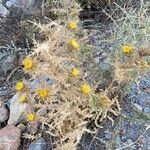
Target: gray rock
{"x": 122, "y": 131}
{"x": 21, "y": 126}
{"x": 9, "y": 63}
{"x": 108, "y": 135}
{"x": 32, "y": 127}
{"x": 39, "y": 144}
{"x": 10, "y": 138}
{"x": 4, "y": 12}
{"x": 28, "y": 6}
{"x": 18, "y": 111}
{"x": 138, "y": 107}
{"x": 3, "y": 112}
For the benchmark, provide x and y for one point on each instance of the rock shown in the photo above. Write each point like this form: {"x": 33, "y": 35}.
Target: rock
{"x": 108, "y": 135}
{"x": 4, "y": 12}
{"x": 28, "y": 6}
{"x": 144, "y": 83}
{"x": 3, "y": 112}
{"x": 32, "y": 127}
{"x": 146, "y": 110}
{"x": 39, "y": 144}
{"x": 9, "y": 63}
{"x": 122, "y": 131}
{"x": 10, "y": 138}
{"x": 21, "y": 126}
{"x": 18, "y": 111}
{"x": 137, "y": 106}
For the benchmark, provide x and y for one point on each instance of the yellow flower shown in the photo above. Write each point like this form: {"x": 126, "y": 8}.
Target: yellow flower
{"x": 75, "y": 72}
{"x": 104, "y": 101}
{"x": 20, "y": 86}
{"x": 22, "y": 99}
{"x": 72, "y": 25}
{"x": 74, "y": 44}
{"x": 144, "y": 64}
{"x": 85, "y": 89}
{"x": 31, "y": 117}
{"x": 28, "y": 64}
{"x": 127, "y": 49}
{"x": 43, "y": 93}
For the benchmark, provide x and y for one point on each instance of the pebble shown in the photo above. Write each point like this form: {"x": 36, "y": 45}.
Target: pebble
{"x": 9, "y": 63}
{"x": 4, "y": 12}
{"x": 30, "y": 7}
{"x": 108, "y": 135}
{"x": 39, "y": 144}
{"x": 32, "y": 127}
{"x": 21, "y": 126}
{"x": 138, "y": 107}
{"x": 3, "y": 112}
{"x": 146, "y": 110}
{"x": 18, "y": 111}
{"x": 122, "y": 131}
{"x": 10, "y": 138}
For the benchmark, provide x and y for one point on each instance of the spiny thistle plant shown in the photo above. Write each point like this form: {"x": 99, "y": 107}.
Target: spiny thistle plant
{"x": 59, "y": 57}
{"x": 70, "y": 99}
{"x": 130, "y": 38}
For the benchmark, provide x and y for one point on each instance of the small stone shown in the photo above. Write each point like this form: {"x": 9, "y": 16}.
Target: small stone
{"x": 9, "y": 63}
{"x": 39, "y": 144}
{"x": 29, "y": 6}
{"x": 10, "y": 138}
{"x": 21, "y": 126}
{"x": 122, "y": 131}
{"x": 3, "y": 11}
{"x": 138, "y": 107}
{"x": 146, "y": 110}
{"x": 108, "y": 135}
{"x": 3, "y": 112}
{"x": 32, "y": 127}
{"x": 18, "y": 111}
{"x": 141, "y": 140}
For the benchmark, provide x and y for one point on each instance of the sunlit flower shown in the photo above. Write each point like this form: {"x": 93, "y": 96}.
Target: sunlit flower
{"x": 104, "y": 101}
{"x": 43, "y": 93}
{"x": 75, "y": 72}
{"x": 72, "y": 25}
{"x": 144, "y": 64}
{"x": 31, "y": 117}
{"x": 85, "y": 89}
{"x": 74, "y": 44}
{"x": 20, "y": 86}
{"x": 22, "y": 99}
{"x": 28, "y": 64}
{"x": 127, "y": 49}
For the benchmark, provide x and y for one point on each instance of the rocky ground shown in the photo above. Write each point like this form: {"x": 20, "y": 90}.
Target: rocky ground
{"x": 130, "y": 130}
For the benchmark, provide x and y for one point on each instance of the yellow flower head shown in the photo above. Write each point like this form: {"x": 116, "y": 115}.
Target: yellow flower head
{"x": 75, "y": 72}
{"x": 22, "y": 99}
{"x": 85, "y": 89}
{"x": 28, "y": 64}
{"x": 31, "y": 117}
{"x": 74, "y": 44}
{"x": 144, "y": 64}
{"x": 43, "y": 93}
{"x": 127, "y": 49}
{"x": 104, "y": 101}
{"x": 72, "y": 25}
{"x": 20, "y": 86}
